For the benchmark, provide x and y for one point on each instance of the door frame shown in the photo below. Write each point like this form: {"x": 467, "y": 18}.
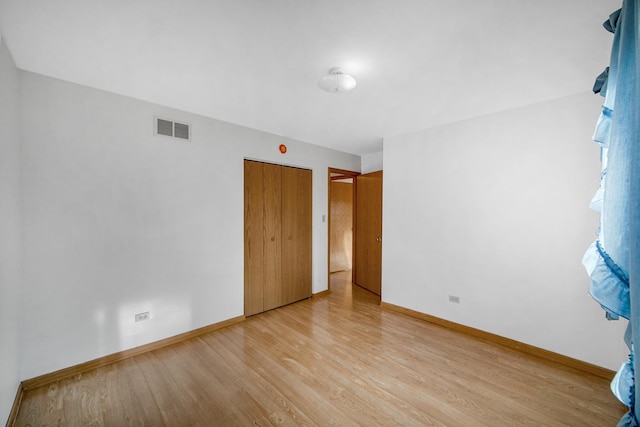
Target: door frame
{"x": 343, "y": 174}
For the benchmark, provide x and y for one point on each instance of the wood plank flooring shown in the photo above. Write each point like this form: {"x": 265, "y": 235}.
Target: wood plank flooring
{"x": 334, "y": 360}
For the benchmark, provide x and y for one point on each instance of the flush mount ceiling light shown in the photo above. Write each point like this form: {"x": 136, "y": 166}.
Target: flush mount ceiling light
{"x": 337, "y": 81}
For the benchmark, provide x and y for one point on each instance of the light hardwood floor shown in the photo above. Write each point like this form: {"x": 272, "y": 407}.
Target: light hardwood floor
{"x": 335, "y": 360}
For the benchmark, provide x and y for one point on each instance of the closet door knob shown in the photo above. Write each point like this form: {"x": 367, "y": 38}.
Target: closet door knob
{"x": 273, "y": 239}
{"x": 290, "y": 237}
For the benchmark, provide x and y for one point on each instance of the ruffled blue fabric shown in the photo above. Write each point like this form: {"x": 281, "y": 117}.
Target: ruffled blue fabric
{"x": 628, "y": 421}
{"x": 611, "y": 23}
{"x": 602, "y": 133}
{"x": 618, "y": 134}
{"x": 600, "y": 85}
{"x": 622, "y": 385}
{"x": 609, "y": 287}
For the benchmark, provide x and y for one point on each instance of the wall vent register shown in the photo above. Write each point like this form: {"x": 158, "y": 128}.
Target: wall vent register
{"x": 172, "y": 129}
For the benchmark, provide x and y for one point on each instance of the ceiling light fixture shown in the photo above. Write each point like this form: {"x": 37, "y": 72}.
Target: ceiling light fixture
{"x": 337, "y": 81}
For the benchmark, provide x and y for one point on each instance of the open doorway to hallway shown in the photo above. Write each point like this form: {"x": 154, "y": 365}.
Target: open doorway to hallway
{"x": 341, "y": 226}
{"x": 341, "y": 221}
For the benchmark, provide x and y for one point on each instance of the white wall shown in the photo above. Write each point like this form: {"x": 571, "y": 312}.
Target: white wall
{"x": 118, "y": 221}
{"x": 371, "y": 162}
{"x": 495, "y": 210}
{"x": 10, "y": 289}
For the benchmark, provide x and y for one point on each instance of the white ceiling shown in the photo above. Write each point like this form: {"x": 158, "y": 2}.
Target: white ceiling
{"x": 418, "y": 63}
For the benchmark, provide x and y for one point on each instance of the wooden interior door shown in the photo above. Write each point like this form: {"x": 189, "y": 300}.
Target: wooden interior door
{"x": 368, "y": 253}
{"x": 296, "y": 233}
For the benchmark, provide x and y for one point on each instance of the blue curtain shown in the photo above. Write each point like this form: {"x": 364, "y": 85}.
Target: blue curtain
{"x": 613, "y": 260}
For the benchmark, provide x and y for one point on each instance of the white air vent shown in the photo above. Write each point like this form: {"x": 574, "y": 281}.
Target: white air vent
{"x": 171, "y": 128}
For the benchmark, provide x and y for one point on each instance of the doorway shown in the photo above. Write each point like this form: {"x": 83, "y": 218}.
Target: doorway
{"x": 341, "y": 241}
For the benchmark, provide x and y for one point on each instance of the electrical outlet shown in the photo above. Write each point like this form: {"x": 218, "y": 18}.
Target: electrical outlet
{"x": 140, "y": 317}
{"x": 454, "y": 299}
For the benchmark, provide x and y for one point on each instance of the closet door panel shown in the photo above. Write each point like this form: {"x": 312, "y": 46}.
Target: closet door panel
{"x": 273, "y": 292}
{"x": 253, "y": 238}
{"x": 296, "y": 233}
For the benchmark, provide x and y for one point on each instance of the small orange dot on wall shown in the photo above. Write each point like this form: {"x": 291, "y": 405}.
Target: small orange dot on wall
{"x": 283, "y": 148}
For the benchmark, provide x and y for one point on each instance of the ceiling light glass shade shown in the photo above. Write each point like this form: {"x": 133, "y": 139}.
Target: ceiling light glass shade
{"x": 337, "y": 81}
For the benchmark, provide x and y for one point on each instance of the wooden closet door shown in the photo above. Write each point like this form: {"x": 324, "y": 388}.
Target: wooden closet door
{"x": 296, "y": 233}
{"x": 253, "y": 238}
{"x": 262, "y": 237}
{"x": 273, "y": 292}
{"x": 368, "y": 254}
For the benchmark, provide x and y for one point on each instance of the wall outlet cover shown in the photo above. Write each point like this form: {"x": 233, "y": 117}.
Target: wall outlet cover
{"x": 140, "y": 317}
